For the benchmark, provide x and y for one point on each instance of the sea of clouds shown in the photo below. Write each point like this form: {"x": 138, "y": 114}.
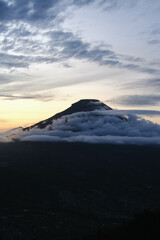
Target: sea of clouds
{"x": 99, "y": 126}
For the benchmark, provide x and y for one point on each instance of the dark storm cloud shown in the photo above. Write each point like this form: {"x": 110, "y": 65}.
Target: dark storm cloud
{"x": 138, "y": 100}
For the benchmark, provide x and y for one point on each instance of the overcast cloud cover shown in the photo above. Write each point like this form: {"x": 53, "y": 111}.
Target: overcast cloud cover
{"x": 35, "y": 33}
{"x": 99, "y": 126}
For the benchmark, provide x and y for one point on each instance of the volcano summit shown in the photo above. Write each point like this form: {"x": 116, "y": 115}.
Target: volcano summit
{"x": 84, "y": 105}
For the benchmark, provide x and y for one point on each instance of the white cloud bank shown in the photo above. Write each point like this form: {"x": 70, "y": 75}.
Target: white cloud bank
{"x": 98, "y": 126}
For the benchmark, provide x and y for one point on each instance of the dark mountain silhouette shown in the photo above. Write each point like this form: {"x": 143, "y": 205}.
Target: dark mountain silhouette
{"x": 83, "y": 105}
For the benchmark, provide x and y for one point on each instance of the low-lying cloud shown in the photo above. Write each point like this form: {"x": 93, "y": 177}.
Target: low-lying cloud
{"x": 98, "y": 126}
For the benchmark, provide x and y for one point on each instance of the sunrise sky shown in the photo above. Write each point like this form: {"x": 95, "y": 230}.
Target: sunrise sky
{"x": 54, "y": 53}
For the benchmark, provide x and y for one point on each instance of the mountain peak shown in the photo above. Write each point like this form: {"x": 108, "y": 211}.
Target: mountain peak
{"x": 88, "y": 105}
{"x": 83, "y": 105}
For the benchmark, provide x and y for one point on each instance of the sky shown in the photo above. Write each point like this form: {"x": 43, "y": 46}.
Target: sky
{"x": 54, "y": 53}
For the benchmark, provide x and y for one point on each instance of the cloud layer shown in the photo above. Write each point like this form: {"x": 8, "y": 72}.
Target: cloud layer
{"x": 32, "y": 34}
{"x": 96, "y": 127}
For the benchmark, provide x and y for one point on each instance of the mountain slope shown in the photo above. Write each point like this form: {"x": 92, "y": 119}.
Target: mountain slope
{"x": 84, "y": 105}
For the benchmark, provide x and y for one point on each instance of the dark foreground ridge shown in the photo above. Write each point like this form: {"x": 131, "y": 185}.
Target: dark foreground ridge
{"x": 83, "y": 105}
{"x": 71, "y": 191}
